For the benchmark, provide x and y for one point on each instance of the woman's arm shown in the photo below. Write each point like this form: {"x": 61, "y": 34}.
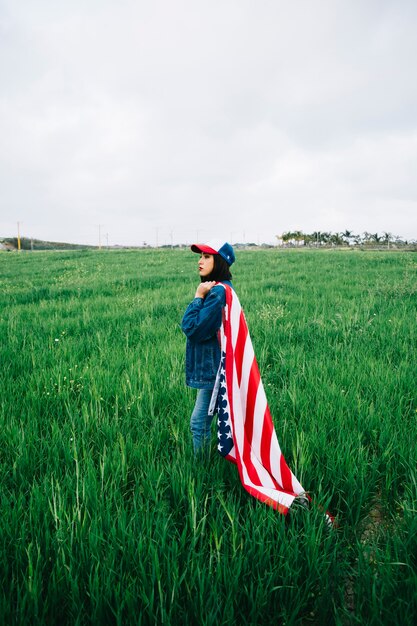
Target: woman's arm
{"x": 203, "y": 316}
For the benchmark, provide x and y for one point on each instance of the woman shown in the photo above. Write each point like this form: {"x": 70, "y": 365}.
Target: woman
{"x": 246, "y": 433}
{"x": 201, "y": 322}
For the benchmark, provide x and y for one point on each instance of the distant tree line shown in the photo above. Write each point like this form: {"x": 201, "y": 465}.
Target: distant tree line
{"x": 37, "y": 244}
{"x": 294, "y": 238}
{"x": 346, "y": 238}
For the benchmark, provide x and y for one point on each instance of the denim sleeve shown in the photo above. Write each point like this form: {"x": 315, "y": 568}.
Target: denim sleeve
{"x": 203, "y": 318}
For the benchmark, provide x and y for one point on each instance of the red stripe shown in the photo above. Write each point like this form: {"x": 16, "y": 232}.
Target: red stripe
{"x": 252, "y": 390}
{"x": 285, "y": 475}
{"x": 264, "y": 498}
{"x": 240, "y": 346}
{"x": 267, "y": 430}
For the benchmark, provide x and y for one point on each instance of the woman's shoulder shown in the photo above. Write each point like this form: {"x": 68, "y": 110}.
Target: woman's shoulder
{"x": 219, "y": 290}
{"x": 223, "y": 285}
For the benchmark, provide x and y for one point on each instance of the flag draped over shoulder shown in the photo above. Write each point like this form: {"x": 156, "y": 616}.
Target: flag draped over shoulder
{"x": 246, "y": 433}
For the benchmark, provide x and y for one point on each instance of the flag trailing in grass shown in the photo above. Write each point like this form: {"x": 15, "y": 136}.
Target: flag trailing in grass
{"x": 246, "y": 434}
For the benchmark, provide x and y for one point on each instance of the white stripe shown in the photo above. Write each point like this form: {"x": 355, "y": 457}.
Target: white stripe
{"x": 248, "y": 357}
{"x": 275, "y": 458}
{"x": 234, "y": 319}
{"x": 258, "y": 420}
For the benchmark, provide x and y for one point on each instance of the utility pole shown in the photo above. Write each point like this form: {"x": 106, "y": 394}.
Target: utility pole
{"x": 99, "y": 236}
{"x": 18, "y": 236}
{"x": 107, "y": 240}
{"x": 157, "y": 231}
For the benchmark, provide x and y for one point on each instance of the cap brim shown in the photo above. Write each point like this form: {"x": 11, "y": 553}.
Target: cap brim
{"x": 201, "y": 247}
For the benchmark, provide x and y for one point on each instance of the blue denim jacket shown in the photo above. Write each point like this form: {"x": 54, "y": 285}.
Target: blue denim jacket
{"x": 202, "y": 319}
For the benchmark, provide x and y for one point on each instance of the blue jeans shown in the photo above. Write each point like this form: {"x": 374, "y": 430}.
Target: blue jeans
{"x": 201, "y": 421}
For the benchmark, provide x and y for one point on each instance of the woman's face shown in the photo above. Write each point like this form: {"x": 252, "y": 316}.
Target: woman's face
{"x": 205, "y": 264}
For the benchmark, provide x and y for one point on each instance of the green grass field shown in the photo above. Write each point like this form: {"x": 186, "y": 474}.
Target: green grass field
{"x": 105, "y": 516}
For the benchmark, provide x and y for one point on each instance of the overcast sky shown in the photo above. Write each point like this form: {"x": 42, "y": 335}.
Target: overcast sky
{"x": 182, "y": 120}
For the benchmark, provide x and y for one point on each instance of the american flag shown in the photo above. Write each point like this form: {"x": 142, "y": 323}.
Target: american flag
{"x": 246, "y": 434}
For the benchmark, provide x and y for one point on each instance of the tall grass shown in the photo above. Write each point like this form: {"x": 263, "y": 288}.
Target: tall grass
{"x": 105, "y": 516}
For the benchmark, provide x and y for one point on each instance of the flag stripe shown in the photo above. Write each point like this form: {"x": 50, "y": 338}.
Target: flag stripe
{"x": 240, "y": 347}
{"x": 266, "y": 441}
{"x": 254, "y": 379}
{"x": 258, "y": 425}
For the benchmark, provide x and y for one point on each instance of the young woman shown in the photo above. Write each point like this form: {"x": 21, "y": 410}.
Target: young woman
{"x": 246, "y": 433}
{"x": 201, "y": 322}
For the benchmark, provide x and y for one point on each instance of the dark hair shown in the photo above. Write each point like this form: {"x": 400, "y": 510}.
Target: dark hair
{"x": 221, "y": 270}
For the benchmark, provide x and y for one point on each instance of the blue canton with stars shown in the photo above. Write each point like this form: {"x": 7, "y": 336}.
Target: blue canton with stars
{"x": 224, "y": 430}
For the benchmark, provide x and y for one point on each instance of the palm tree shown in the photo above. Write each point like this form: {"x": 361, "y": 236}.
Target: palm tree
{"x": 316, "y": 237}
{"x": 297, "y": 235}
{"x": 336, "y": 239}
{"x": 387, "y": 238}
{"x": 347, "y": 236}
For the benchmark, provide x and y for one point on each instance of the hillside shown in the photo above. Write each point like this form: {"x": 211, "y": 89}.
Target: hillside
{"x": 10, "y": 243}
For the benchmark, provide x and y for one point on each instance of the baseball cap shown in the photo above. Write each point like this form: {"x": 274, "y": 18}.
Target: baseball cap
{"x": 216, "y": 247}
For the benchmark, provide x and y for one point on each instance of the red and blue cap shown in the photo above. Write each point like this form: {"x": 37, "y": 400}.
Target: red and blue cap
{"x": 216, "y": 247}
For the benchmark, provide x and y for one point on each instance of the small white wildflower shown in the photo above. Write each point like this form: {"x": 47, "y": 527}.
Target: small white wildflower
{"x": 56, "y": 339}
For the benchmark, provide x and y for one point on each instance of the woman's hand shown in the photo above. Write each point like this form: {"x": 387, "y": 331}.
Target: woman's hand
{"x": 204, "y": 288}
